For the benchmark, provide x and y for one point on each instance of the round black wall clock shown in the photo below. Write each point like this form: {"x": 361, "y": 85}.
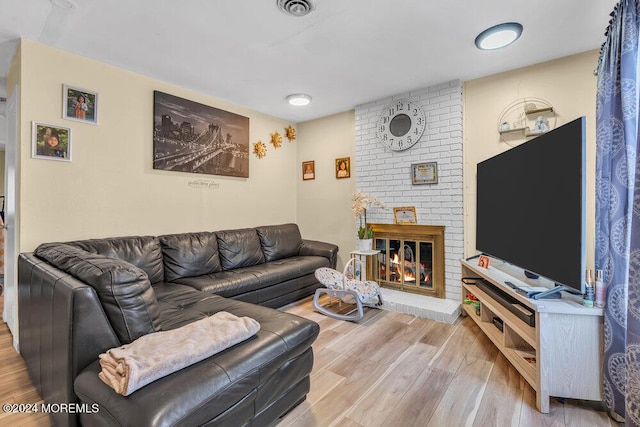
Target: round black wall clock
{"x": 401, "y": 125}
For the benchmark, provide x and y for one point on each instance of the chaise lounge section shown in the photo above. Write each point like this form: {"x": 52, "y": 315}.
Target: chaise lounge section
{"x": 79, "y": 299}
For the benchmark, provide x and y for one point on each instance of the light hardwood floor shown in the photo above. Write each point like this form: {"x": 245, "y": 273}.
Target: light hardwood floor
{"x": 15, "y": 386}
{"x": 388, "y": 370}
{"x": 393, "y": 369}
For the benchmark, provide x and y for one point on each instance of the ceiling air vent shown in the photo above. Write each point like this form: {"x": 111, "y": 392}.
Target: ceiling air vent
{"x": 296, "y": 8}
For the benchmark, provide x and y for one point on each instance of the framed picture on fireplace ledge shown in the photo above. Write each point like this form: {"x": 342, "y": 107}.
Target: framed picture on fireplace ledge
{"x": 405, "y": 215}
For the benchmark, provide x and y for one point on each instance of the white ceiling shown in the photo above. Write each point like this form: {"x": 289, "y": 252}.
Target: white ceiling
{"x": 346, "y": 53}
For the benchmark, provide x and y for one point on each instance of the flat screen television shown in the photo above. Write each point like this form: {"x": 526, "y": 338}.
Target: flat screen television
{"x": 531, "y": 206}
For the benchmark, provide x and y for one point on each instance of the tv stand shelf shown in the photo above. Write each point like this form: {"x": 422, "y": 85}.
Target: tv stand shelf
{"x": 561, "y": 355}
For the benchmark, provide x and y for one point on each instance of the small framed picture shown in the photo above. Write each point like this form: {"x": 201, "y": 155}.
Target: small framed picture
{"x": 343, "y": 167}
{"x": 51, "y": 142}
{"x": 424, "y": 173}
{"x": 80, "y": 105}
{"x": 308, "y": 170}
{"x": 405, "y": 215}
{"x": 483, "y": 261}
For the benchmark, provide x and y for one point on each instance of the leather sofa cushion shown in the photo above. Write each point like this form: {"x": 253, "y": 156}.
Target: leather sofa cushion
{"x": 224, "y": 283}
{"x": 143, "y": 252}
{"x": 189, "y": 254}
{"x": 181, "y": 305}
{"x": 206, "y": 389}
{"x": 279, "y": 241}
{"x": 242, "y": 280}
{"x": 239, "y": 248}
{"x": 124, "y": 290}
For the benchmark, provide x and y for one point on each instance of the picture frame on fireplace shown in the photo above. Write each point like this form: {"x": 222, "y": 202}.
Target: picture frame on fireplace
{"x": 424, "y": 173}
{"x": 405, "y": 215}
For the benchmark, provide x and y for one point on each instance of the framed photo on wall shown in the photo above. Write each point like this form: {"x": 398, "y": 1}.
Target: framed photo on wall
{"x": 424, "y": 173}
{"x": 51, "y": 142}
{"x": 308, "y": 170}
{"x": 343, "y": 167}
{"x": 405, "y": 215}
{"x": 80, "y": 105}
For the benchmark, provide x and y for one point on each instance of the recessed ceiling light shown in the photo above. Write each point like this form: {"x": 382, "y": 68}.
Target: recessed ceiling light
{"x": 498, "y": 36}
{"x": 64, "y": 4}
{"x": 298, "y": 99}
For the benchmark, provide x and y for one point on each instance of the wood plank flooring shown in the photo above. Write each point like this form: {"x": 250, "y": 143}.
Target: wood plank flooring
{"x": 393, "y": 369}
{"x": 15, "y": 386}
{"x": 390, "y": 369}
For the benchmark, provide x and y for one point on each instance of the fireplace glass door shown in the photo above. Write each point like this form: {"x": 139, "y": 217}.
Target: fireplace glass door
{"x": 406, "y": 264}
{"x": 411, "y": 257}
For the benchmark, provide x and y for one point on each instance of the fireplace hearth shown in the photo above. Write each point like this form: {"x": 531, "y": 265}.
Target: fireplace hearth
{"x": 411, "y": 257}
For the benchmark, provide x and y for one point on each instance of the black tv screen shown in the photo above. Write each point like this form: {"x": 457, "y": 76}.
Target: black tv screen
{"x": 531, "y": 205}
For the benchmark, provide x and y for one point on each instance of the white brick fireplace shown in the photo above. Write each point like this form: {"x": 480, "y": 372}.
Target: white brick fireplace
{"x": 386, "y": 174}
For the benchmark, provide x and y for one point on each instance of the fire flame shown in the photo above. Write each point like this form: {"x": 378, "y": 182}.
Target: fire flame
{"x": 409, "y": 276}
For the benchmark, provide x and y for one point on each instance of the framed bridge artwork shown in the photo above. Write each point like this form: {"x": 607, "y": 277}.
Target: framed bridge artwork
{"x": 197, "y": 138}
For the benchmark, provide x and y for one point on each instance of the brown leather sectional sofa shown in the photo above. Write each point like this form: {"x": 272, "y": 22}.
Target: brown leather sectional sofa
{"x": 78, "y": 299}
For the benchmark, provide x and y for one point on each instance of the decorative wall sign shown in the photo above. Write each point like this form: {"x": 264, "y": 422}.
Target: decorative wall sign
{"x": 343, "y": 167}
{"x": 51, "y": 142}
{"x": 207, "y": 184}
{"x": 424, "y": 173}
{"x": 308, "y": 170}
{"x": 193, "y": 137}
{"x": 80, "y": 105}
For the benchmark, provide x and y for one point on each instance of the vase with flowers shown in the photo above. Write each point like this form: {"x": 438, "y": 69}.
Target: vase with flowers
{"x": 361, "y": 202}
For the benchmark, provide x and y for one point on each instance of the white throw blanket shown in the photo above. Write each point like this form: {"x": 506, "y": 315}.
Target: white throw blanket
{"x": 156, "y": 355}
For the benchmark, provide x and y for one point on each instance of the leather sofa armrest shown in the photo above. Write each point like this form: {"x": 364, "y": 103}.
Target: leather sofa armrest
{"x": 327, "y": 250}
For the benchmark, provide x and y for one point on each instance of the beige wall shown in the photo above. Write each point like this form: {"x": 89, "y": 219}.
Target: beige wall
{"x": 324, "y": 204}
{"x": 110, "y": 187}
{"x": 568, "y": 84}
{"x": 14, "y": 80}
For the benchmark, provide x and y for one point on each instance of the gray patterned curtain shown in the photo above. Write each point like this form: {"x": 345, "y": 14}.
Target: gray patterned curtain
{"x": 618, "y": 208}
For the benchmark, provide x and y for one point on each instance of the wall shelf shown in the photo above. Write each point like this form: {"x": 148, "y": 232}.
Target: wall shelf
{"x": 525, "y": 131}
{"x": 539, "y": 110}
{"x": 521, "y": 116}
{"x": 502, "y": 132}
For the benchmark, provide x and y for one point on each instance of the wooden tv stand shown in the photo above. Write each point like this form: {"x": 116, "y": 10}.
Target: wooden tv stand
{"x": 561, "y": 355}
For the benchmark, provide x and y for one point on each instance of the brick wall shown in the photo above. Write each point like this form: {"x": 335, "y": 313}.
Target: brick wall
{"x": 386, "y": 174}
